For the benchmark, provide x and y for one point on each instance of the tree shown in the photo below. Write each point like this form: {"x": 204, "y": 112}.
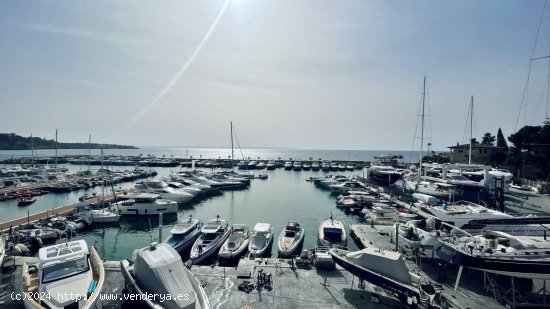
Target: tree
{"x": 488, "y": 139}
{"x": 501, "y": 142}
{"x": 474, "y": 141}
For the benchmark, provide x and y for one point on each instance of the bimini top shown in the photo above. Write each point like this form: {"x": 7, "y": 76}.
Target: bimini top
{"x": 262, "y": 227}
{"x": 63, "y": 252}
{"x": 214, "y": 225}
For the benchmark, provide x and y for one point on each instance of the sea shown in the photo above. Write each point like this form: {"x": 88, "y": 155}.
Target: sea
{"x": 284, "y": 196}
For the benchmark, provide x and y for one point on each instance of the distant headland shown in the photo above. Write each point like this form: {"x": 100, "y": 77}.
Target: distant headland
{"x": 12, "y": 141}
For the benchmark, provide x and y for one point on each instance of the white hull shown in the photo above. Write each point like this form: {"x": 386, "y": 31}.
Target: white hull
{"x": 145, "y": 209}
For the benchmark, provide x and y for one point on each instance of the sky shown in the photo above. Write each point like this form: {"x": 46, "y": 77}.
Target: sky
{"x": 344, "y": 74}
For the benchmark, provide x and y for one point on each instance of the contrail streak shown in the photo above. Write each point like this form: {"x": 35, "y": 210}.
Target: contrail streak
{"x": 176, "y": 77}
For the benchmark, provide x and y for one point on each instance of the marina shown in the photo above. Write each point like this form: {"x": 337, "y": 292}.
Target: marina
{"x": 265, "y": 280}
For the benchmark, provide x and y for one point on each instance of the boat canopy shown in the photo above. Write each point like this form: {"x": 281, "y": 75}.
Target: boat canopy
{"x": 159, "y": 269}
{"x": 387, "y": 263}
{"x": 262, "y": 227}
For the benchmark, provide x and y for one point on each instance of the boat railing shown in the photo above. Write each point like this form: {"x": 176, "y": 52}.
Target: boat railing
{"x": 455, "y": 235}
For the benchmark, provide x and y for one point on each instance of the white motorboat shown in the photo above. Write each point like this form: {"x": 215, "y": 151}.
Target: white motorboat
{"x": 307, "y": 166}
{"x": 252, "y": 165}
{"x": 332, "y": 232}
{"x": 386, "y": 169}
{"x": 439, "y": 190}
{"x": 193, "y": 190}
{"x": 271, "y": 165}
{"x": 291, "y": 239}
{"x": 143, "y": 204}
{"x": 242, "y": 165}
{"x": 315, "y": 166}
{"x": 341, "y": 167}
{"x": 262, "y": 240}
{"x": 347, "y": 186}
{"x": 166, "y": 192}
{"x": 184, "y": 234}
{"x": 297, "y": 166}
{"x": 261, "y": 165}
{"x": 158, "y": 270}
{"x": 288, "y": 165}
{"x": 69, "y": 268}
{"x": 101, "y": 215}
{"x": 214, "y": 234}
{"x": 237, "y": 243}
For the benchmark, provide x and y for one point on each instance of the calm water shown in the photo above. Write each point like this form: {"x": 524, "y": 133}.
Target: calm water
{"x": 253, "y": 153}
{"x": 284, "y": 196}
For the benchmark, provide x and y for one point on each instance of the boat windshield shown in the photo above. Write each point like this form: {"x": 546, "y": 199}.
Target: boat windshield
{"x": 333, "y": 234}
{"x": 290, "y": 233}
{"x": 209, "y": 236}
{"x": 258, "y": 242}
{"x": 66, "y": 269}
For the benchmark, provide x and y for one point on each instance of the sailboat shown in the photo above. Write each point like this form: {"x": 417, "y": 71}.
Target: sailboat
{"x": 415, "y": 182}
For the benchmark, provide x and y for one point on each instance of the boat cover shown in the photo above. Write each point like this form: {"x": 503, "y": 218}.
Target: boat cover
{"x": 387, "y": 263}
{"x": 160, "y": 270}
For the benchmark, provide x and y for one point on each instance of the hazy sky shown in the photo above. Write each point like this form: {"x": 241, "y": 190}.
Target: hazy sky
{"x": 288, "y": 73}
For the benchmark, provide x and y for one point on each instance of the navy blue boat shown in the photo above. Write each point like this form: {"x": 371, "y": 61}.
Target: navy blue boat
{"x": 387, "y": 270}
{"x": 184, "y": 234}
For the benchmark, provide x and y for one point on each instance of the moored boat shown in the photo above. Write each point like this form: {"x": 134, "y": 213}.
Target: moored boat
{"x": 63, "y": 269}
{"x": 262, "y": 240}
{"x": 184, "y": 234}
{"x": 237, "y": 243}
{"x": 332, "y": 232}
{"x": 214, "y": 234}
{"x": 291, "y": 239}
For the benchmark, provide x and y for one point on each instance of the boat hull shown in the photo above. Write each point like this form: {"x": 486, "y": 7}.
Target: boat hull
{"x": 404, "y": 291}
{"x": 180, "y": 243}
{"x": 523, "y": 268}
{"x": 228, "y": 255}
{"x": 293, "y": 249}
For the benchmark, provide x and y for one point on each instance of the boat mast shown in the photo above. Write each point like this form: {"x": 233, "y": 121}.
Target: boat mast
{"x": 32, "y": 152}
{"x": 422, "y": 130}
{"x": 89, "y": 151}
{"x": 232, "y": 154}
{"x": 471, "y": 126}
{"x": 55, "y": 147}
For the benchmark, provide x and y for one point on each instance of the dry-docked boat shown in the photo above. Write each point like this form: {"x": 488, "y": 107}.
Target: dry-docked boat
{"x": 159, "y": 270}
{"x": 69, "y": 268}
{"x": 184, "y": 234}
{"x": 499, "y": 253}
{"x": 386, "y": 269}
{"x": 237, "y": 243}
{"x": 291, "y": 239}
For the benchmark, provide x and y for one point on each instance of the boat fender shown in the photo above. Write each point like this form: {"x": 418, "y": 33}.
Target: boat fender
{"x": 409, "y": 301}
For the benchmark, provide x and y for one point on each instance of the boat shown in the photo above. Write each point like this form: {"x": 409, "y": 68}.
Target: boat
{"x": 262, "y": 176}
{"x": 271, "y": 165}
{"x": 262, "y": 240}
{"x": 440, "y": 190}
{"x": 99, "y": 215}
{"x": 2, "y": 250}
{"x": 158, "y": 270}
{"x": 288, "y": 165}
{"x": 325, "y": 166}
{"x": 70, "y": 268}
{"x": 214, "y": 234}
{"x": 346, "y": 186}
{"x": 341, "y": 167}
{"x": 166, "y": 192}
{"x": 291, "y": 239}
{"x": 43, "y": 233}
{"x": 25, "y": 201}
{"x": 237, "y": 243}
{"x": 499, "y": 253}
{"x": 261, "y": 165}
{"x": 387, "y": 270}
{"x": 242, "y": 165}
{"x": 386, "y": 169}
{"x": 297, "y": 166}
{"x": 315, "y": 166}
{"x": 184, "y": 234}
{"x": 143, "y": 204}
{"x": 307, "y": 166}
{"x": 332, "y": 232}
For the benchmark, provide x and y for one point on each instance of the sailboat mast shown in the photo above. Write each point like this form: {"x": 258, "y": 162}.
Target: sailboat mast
{"x": 422, "y": 129}
{"x": 32, "y": 152}
{"x": 55, "y": 147}
{"x": 89, "y": 150}
{"x": 232, "y": 153}
{"x": 471, "y": 126}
